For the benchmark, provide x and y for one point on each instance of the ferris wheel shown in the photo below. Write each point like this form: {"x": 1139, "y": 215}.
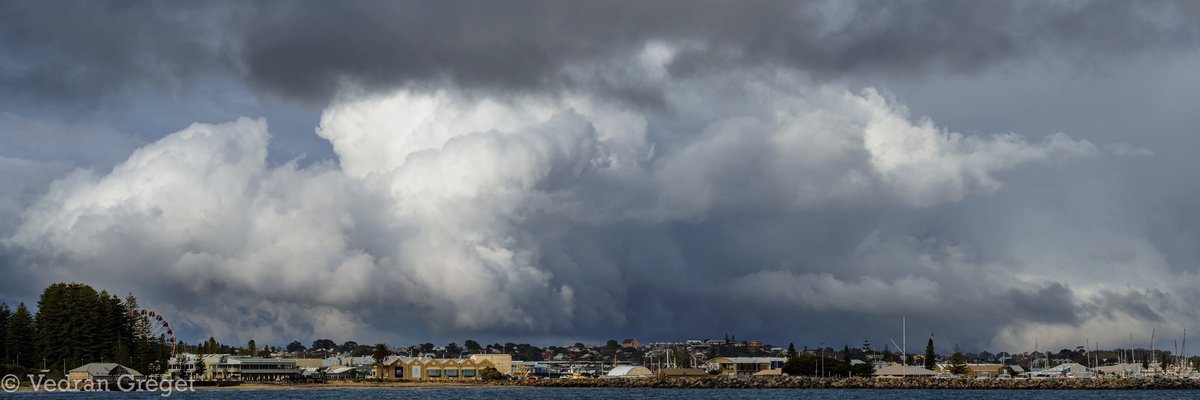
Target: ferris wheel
{"x": 159, "y": 326}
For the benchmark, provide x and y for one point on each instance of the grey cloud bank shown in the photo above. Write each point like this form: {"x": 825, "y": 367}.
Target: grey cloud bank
{"x": 534, "y": 170}
{"x": 86, "y": 51}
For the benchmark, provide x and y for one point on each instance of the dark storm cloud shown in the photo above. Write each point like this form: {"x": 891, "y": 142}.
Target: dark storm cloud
{"x": 312, "y": 52}
{"x": 654, "y": 169}
{"x": 85, "y": 51}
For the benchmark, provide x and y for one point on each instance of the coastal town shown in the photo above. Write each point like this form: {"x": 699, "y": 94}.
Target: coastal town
{"x": 58, "y": 342}
{"x": 642, "y": 199}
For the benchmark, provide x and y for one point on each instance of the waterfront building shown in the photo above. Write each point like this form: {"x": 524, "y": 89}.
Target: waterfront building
{"x": 1067, "y": 370}
{"x": 502, "y": 362}
{"x": 629, "y": 371}
{"x": 734, "y": 366}
{"x": 245, "y": 368}
{"x": 426, "y": 368}
{"x": 364, "y": 365}
{"x": 985, "y": 370}
{"x": 340, "y": 372}
{"x": 185, "y": 366}
{"x": 107, "y": 372}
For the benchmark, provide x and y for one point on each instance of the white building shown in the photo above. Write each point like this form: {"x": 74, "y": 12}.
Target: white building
{"x": 629, "y": 371}
{"x": 242, "y": 368}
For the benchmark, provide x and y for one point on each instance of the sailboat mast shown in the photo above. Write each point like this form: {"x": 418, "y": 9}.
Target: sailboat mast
{"x": 1152, "y": 331}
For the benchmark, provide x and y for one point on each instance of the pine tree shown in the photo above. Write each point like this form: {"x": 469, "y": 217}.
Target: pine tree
{"x": 930, "y": 355}
{"x": 160, "y": 362}
{"x": 20, "y": 340}
{"x": 86, "y": 323}
{"x": 252, "y": 348}
{"x": 958, "y": 363}
{"x": 50, "y": 328}
{"x": 791, "y": 351}
{"x": 74, "y": 325}
{"x": 143, "y": 336}
{"x": 111, "y": 319}
{"x": 5, "y": 315}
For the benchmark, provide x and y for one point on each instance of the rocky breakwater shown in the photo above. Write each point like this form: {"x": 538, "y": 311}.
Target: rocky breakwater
{"x": 866, "y": 383}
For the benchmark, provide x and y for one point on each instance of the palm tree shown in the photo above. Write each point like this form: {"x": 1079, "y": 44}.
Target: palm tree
{"x": 380, "y": 353}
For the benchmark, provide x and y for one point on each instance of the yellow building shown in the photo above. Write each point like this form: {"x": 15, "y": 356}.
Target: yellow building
{"x": 989, "y": 370}
{"x": 309, "y": 362}
{"x": 502, "y": 362}
{"x": 432, "y": 368}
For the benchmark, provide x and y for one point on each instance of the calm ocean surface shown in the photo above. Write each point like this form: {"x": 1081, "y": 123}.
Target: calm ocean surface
{"x": 605, "y": 393}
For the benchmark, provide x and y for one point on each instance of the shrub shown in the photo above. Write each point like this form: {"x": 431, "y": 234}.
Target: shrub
{"x": 490, "y": 374}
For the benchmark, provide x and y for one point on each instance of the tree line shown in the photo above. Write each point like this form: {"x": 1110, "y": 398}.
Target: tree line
{"x": 821, "y": 364}
{"x": 75, "y": 325}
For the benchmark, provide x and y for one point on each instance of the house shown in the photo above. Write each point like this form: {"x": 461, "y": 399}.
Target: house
{"x": 733, "y": 366}
{"x": 103, "y": 372}
{"x": 630, "y": 344}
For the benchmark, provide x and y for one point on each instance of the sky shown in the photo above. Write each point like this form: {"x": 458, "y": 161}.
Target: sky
{"x": 997, "y": 173}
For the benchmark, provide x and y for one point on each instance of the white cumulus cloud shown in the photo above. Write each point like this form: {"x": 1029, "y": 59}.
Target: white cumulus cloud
{"x": 460, "y": 212}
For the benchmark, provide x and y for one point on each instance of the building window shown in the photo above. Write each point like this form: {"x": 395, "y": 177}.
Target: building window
{"x": 450, "y": 373}
{"x": 399, "y": 372}
{"x": 433, "y": 373}
{"x": 468, "y": 373}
